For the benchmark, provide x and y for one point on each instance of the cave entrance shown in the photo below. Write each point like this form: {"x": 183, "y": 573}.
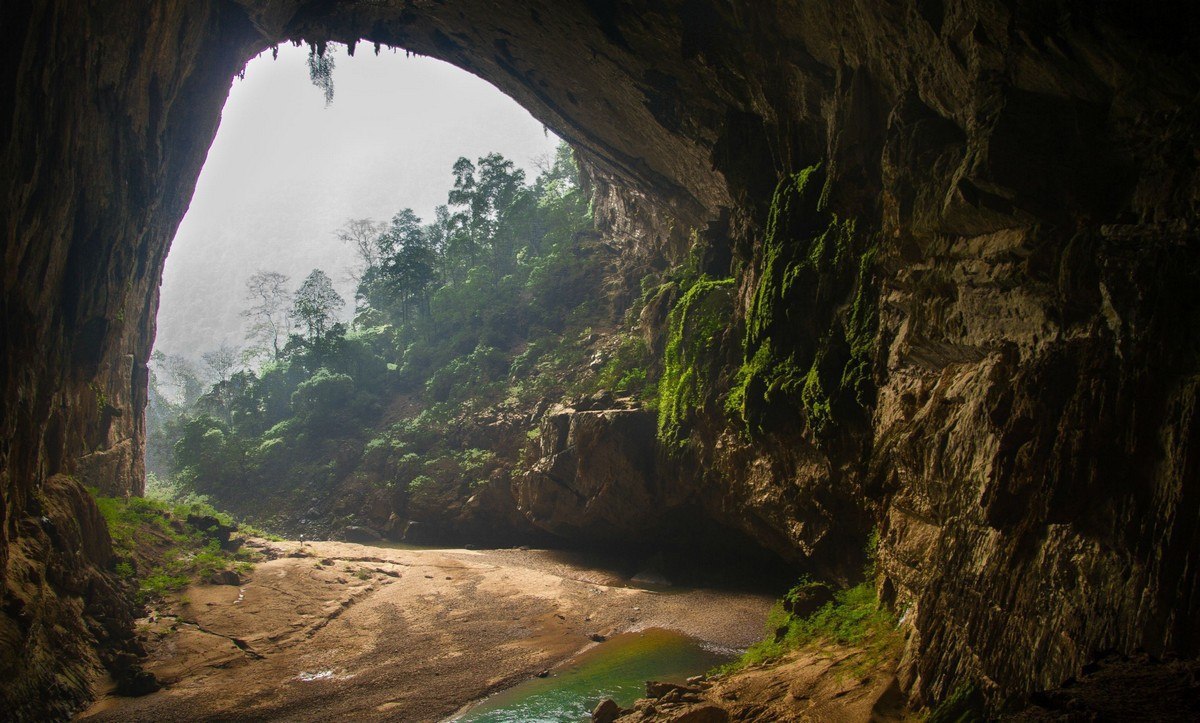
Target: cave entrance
{"x": 403, "y": 412}
{"x": 331, "y": 166}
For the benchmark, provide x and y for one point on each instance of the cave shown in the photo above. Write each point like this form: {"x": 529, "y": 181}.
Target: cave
{"x": 1018, "y": 178}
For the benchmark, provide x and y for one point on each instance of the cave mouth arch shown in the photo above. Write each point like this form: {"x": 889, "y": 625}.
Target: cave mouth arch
{"x": 258, "y": 164}
{"x": 286, "y": 172}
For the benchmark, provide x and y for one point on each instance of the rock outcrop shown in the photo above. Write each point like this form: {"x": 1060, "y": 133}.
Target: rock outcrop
{"x": 596, "y": 479}
{"x": 975, "y": 328}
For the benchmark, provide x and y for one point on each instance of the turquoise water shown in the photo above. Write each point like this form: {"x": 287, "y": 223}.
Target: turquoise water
{"x": 617, "y": 669}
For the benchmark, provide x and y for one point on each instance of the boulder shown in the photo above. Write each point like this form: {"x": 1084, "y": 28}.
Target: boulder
{"x": 212, "y": 527}
{"x": 606, "y": 711}
{"x": 596, "y": 479}
{"x": 225, "y": 577}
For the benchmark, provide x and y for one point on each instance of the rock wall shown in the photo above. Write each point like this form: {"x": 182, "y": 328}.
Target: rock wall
{"x": 105, "y": 124}
{"x": 1021, "y": 181}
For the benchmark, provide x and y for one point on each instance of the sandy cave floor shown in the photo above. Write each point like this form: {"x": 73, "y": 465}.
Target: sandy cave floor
{"x": 339, "y": 631}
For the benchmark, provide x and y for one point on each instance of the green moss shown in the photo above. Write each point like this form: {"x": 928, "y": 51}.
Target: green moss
{"x": 818, "y": 405}
{"x": 101, "y": 397}
{"x": 696, "y": 323}
{"x": 156, "y": 547}
{"x": 861, "y": 331}
{"x": 802, "y": 347}
{"x": 854, "y": 618}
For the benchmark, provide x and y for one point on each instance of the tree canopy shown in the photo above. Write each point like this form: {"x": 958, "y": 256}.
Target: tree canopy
{"x": 454, "y": 313}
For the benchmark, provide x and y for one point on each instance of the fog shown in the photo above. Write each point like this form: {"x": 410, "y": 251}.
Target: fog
{"x": 285, "y": 172}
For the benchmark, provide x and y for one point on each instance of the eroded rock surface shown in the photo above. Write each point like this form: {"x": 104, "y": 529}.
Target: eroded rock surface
{"x": 596, "y": 479}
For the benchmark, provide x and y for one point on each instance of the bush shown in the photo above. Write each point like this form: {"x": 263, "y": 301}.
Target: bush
{"x": 854, "y": 618}
{"x": 322, "y": 402}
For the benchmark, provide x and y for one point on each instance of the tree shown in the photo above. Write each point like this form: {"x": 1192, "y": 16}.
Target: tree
{"x": 481, "y": 195}
{"x": 407, "y": 268}
{"x": 315, "y": 305}
{"x": 181, "y": 374}
{"x": 362, "y": 234}
{"x": 464, "y": 237}
{"x": 270, "y": 321}
{"x": 221, "y": 360}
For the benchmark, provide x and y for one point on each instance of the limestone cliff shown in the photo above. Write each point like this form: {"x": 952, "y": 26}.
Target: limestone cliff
{"x": 975, "y": 310}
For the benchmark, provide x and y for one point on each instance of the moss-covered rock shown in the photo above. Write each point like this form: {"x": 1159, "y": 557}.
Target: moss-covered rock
{"x": 812, "y": 321}
{"x": 697, "y": 325}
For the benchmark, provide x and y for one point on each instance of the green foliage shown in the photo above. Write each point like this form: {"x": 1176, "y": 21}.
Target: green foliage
{"x": 690, "y": 361}
{"x": 473, "y": 461}
{"x": 322, "y": 401}
{"x": 800, "y": 347}
{"x": 478, "y": 307}
{"x": 467, "y": 376}
{"x": 627, "y": 372}
{"x": 421, "y": 483}
{"x": 854, "y": 618}
{"x": 157, "y": 548}
{"x": 315, "y": 306}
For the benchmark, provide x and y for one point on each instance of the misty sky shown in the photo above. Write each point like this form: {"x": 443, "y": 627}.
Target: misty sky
{"x": 285, "y": 172}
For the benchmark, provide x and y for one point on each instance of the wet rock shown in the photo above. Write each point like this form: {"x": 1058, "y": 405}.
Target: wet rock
{"x": 606, "y": 711}
{"x": 597, "y": 637}
{"x": 212, "y": 527}
{"x": 657, "y": 689}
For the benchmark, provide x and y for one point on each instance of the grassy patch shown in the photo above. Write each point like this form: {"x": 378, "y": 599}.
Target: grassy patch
{"x": 629, "y": 370}
{"x": 160, "y": 551}
{"x": 853, "y": 618}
